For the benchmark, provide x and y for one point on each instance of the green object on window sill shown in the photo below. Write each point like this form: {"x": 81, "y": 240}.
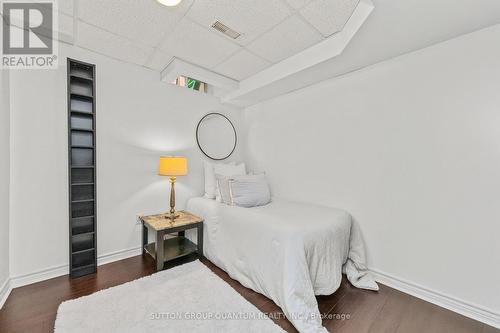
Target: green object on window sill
{"x": 193, "y": 84}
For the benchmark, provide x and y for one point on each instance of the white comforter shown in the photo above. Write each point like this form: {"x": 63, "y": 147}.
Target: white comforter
{"x": 288, "y": 251}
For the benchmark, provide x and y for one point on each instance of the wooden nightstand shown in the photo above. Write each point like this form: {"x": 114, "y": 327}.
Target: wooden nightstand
{"x": 171, "y": 248}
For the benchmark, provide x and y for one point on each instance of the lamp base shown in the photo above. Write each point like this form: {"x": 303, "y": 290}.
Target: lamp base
{"x": 171, "y": 217}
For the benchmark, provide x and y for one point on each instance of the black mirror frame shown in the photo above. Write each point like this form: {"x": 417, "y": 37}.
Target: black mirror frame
{"x": 234, "y": 130}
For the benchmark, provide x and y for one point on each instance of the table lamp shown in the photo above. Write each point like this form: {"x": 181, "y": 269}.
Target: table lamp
{"x": 172, "y": 166}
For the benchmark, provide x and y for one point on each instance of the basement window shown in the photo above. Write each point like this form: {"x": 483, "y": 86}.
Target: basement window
{"x": 190, "y": 83}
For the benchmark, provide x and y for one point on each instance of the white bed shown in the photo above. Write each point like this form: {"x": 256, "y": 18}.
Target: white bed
{"x": 285, "y": 250}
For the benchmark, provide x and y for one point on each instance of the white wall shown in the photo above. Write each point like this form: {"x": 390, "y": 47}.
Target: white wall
{"x": 411, "y": 147}
{"x": 139, "y": 118}
{"x": 4, "y": 178}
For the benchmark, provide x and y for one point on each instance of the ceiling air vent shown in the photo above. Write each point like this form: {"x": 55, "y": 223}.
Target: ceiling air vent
{"x": 221, "y": 27}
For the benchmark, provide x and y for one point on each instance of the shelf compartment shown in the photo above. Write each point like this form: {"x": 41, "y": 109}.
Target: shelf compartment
{"x": 82, "y": 97}
{"x": 82, "y": 192}
{"x": 82, "y": 78}
{"x": 82, "y": 87}
{"x": 80, "y": 201}
{"x": 83, "y": 270}
{"x": 83, "y": 258}
{"x": 82, "y": 130}
{"x": 81, "y": 184}
{"x": 82, "y": 242}
{"x": 82, "y": 157}
{"x": 82, "y": 121}
{"x": 81, "y": 105}
{"x": 80, "y": 138}
{"x": 80, "y": 176}
{"x": 82, "y": 209}
{"x": 82, "y": 225}
{"x": 81, "y": 71}
{"x": 82, "y": 167}
{"x": 173, "y": 248}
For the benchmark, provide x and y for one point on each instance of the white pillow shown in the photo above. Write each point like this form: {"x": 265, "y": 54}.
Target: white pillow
{"x": 227, "y": 170}
{"x": 210, "y": 181}
{"x": 224, "y": 194}
{"x": 249, "y": 191}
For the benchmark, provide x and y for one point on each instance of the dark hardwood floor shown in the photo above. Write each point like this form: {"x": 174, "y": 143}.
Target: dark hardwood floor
{"x": 349, "y": 310}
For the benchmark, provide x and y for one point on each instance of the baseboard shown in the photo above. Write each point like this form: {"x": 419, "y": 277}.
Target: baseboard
{"x": 56, "y": 271}
{"x": 118, "y": 255}
{"x": 476, "y": 312}
{"x": 46, "y": 274}
{"x": 5, "y": 290}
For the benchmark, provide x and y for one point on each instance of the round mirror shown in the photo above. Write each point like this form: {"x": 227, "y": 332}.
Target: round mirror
{"x": 216, "y": 136}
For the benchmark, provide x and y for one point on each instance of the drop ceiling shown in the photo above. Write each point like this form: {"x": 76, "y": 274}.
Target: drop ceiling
{"x": 274, "y": 32}
{"x": 149, "y": 34}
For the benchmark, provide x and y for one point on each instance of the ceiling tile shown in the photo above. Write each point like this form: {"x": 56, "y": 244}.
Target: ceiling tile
{"x": 144, "y": 21}
{"x": 195, "y": 44}
{"x": 158, "y": 60}
{"x": 329, "y": 16}
{"x": 298, "y": 3}
{"x": 292, "y": 35}
{"x": 242, "y": 65}
{"x": 249, "y": 17}
{"x": 111, "y": 45}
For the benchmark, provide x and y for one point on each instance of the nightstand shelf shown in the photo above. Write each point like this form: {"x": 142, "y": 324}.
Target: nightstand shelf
{"x": 173, "y": 248}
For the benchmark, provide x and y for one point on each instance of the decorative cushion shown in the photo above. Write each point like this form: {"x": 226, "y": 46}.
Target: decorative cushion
{"x": 227, "y": 170}
{"x": 210, "y": 181}
{"x": 224, "y": 194}
{"x": 244, "y": 190}
{"x": 249, "y": 191}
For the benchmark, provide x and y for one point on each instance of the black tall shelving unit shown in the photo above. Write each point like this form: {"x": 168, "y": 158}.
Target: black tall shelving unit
{"x": 82, "y": 170}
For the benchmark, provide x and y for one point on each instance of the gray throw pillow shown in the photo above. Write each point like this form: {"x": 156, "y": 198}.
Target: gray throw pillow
{"x": 249, "y": 190}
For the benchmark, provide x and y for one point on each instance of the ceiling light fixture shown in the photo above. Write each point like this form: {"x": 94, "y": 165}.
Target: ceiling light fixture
{"x": 169, "y": 3}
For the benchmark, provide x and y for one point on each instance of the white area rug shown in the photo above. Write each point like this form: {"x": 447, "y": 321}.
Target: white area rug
{"x": 187, "y": 298}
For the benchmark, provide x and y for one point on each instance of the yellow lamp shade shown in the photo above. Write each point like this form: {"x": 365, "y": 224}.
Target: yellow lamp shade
{"x": 172, "y": 166}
